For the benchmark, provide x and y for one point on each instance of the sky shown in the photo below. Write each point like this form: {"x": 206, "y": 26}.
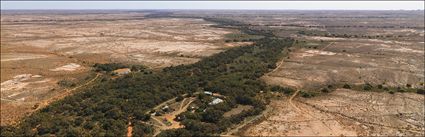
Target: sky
{"x": 263, "y": 5}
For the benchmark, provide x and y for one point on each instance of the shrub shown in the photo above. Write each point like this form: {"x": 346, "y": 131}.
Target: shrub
{"x": 288, "y": 91}
{"x": 285, "y": 90}
{"x": 346, "y": 86}
{"x": 307, "y": 94}
{"x": 140, "y": 115}
{"x": 380, "y": 86}
{"x": 108, "y": 67}
{"x": 420, "y": 91}
{"x": 399, "y": 89}
{"x": 179, "y": 98}
{"x": 66, "y": 83}
{"x": 325, "y": 90}
{"x": 367, "y": 86}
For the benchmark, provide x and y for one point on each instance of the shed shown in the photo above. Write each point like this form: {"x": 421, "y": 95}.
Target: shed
{"x": 208, "y": 93}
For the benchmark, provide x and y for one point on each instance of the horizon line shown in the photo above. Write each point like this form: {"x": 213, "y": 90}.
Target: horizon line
{"x": 243, "y": 9}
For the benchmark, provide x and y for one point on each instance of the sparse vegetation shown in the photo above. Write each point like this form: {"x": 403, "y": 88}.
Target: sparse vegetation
{"x": 307, "y": 94}
{"x": 285, "y": 90}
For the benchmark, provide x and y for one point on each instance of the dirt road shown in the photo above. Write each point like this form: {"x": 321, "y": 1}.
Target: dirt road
{"x": 129, "y": 129}
{"x": 291, "y": 98}
{"x": 327, "y": 46}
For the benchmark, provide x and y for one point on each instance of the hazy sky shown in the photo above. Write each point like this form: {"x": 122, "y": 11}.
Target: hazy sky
{"x": 288, "y": 5}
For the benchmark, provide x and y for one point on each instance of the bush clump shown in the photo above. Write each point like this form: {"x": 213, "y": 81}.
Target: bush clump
{"x": 399, "y": 89}
{"x": 367, "y": 86}
{"x": 420, "y": 91}
{"x": 305, "y": 94}
{"x": 325, "y": 90}
{"x": 346, "y": 86}
{"x": 285, "y": 90}
{"x": 380, "y": 86}
{"x": 66, "y": 83}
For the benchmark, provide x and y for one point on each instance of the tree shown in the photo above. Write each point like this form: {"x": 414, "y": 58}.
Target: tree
{"x": 7, "y": 131}
{"x": 142, "y": 130}
{"x": 243, "y": 99}
{"x": 140, "y": 115}
{"x": 72, "y": 132}
{"x": 380, "y": 86}
{"x": 305, "y": 94}
{"x": 179, "y": 98}
{"x": 211, "y": 116}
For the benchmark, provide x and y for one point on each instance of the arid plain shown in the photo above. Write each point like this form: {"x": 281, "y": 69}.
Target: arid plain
{"x": 38, "y": 50}
{"x": 383, "y": 49}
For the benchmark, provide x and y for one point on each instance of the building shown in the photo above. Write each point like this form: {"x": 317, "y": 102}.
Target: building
{"x": 208, "y": 93}
{"x": 216, "y": 101}
{"x": 122, "y": 71}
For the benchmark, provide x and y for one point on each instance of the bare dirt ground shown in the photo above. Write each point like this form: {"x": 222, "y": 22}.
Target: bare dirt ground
{"x": 353, "y": 61}
{"x": 237, "y": 110}
{"x": 22, "y": 98}
{"x": 344, "y": 113}
{"x": 387, "y": 50}
{"x": 27, "y": 82}
{"x": 157, "y": 42}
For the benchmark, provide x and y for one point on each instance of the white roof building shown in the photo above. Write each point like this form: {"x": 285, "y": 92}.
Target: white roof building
{"x": 216, "y": 101}
{"x": 208, "y": 93}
